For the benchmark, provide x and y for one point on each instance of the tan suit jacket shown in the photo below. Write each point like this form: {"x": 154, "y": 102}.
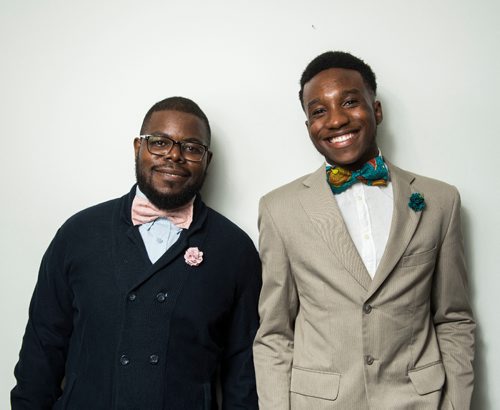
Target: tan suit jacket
{"x": 333, "y": 338}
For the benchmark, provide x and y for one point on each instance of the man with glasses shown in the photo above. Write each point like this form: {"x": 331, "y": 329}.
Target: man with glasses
{"x": 150, "y": 300}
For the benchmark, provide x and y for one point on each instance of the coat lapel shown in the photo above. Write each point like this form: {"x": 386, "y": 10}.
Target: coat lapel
{"x": 192, "y": 237}
{"x": 403, "y": 225}
{"x": 131, "y": 261}
{"x": 324, "y": 213}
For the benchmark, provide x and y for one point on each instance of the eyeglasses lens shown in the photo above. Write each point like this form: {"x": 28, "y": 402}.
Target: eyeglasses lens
{"x": 163, "y": 145}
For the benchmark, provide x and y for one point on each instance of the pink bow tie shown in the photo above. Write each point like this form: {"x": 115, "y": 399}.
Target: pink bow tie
{"x": 144, "y": 211}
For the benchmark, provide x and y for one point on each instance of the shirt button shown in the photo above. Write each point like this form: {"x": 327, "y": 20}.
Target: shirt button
{"x": 154, "y": 359}
{"x": 369, "y": 360}
{"x": 161, "y": 297}
{"x": 124, "y": 360}
{"x": 367, "y": 308}
{"x": 366, "y": 236}
{"x": 159, "y": 240}
{"x": 132, "y": 296}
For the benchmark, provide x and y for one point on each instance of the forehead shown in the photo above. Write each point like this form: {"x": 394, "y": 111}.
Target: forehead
{"x": 177, "y": 124}
{"x": 332, "y": 82}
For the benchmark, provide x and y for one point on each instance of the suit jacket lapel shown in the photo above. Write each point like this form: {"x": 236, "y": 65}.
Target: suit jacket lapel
{"x": 403, "y": 225}
{"x": 324, "y": 213}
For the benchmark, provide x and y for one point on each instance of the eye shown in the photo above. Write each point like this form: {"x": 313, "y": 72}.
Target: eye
{"x": 193, "y": 148}
{"x": 317, "y": 111}
{"x": 350, "y": 103}
{"x": 159, "y": 142}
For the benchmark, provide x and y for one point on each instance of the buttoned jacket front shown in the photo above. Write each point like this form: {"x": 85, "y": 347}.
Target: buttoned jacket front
{"x": 333, "y": 338}
{"x": 128, "y": 334}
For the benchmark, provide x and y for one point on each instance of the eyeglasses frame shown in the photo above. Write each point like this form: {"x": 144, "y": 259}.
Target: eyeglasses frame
{"x": 174, "y": 143}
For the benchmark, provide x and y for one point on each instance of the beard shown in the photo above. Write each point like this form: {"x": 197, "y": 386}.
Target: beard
{"x": 166, "y": 201}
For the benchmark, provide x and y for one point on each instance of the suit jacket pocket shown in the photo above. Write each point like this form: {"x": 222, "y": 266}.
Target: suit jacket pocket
{"x": 314, "y": 383}
{"x": 427, "y": 379}
{"x": 419, "y": 258}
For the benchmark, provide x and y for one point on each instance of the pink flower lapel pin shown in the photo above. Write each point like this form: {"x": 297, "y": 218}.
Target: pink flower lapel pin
{"x": 193, "y": 256}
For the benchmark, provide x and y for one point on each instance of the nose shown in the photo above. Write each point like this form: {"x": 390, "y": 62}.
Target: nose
{"x": 175, "y": 153}
{"x": 337, "y": 118}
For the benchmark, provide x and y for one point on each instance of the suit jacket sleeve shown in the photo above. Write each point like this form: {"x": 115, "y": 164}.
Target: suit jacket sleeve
{"x": 40, "y": 369}
{"x": 452, "y": 312}
{"x": 278, "y": 307}
{"x": 237, "y": 370}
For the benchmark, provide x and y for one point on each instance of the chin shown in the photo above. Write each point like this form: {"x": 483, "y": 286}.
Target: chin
{"x": 167, "y": 199}
{"x": 343, "y": 161}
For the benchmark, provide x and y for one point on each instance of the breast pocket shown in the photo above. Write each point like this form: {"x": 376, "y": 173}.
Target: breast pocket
{"x": 419, "y": 258}
{"x": 313, "y": 383}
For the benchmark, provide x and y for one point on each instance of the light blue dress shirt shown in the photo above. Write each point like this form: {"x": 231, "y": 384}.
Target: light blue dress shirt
{"x": 159, "y": 235}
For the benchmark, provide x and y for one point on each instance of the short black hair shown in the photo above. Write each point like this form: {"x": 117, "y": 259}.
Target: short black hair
{"x": 177, "y": 104}
{"x": 337, "y": 59}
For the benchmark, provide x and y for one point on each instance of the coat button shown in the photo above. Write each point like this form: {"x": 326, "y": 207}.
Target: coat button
{"x": 161, "y": 297}
{"x": 367, "y": 308}
{"x": 124, "y": 360}
{"x": 154, "y": 359}
{"x": 132, "y": 296}
{"x": 369, "y": 360}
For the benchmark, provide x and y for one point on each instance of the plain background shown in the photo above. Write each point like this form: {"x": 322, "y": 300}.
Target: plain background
{"x": 77, "y": 77}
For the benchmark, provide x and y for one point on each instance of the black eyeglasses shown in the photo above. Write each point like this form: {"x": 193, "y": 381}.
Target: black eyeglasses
{"x": 161, "y": 145}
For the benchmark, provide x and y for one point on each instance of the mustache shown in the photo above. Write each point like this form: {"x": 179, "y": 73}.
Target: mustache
{"x": 170, "y": 167}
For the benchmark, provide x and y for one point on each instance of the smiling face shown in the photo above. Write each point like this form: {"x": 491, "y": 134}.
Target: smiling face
{"x": 170, "y": 181}
{"x": 342, "y": 117}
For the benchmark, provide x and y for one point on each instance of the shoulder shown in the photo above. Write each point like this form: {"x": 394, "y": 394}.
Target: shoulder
{"x": 81, "y": 230}
{"x": 428, "y": 187}
{"x": 226, "y": 230}
{"x": 233, "y": 250}
{"x": 94, "y": 216}
{"x": 288, "y": 192}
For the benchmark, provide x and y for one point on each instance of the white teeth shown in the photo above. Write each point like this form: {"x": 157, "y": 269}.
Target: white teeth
{"x": 342, "y": 138}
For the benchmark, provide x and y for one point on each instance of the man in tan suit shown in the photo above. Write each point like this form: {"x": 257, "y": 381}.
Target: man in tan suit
{"x": 364, "y": 302}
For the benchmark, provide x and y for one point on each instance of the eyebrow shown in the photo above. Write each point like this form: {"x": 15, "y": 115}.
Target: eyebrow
{"x": 351, "y": 91}
{"x": 312, "y": 102}
{"x": 159, "y": 134}
{"x": 198, "y": 140}
{"x": 343, "y": 94}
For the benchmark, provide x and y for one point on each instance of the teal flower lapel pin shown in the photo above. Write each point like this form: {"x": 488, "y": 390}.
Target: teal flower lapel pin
{"x": 417, "y": 202}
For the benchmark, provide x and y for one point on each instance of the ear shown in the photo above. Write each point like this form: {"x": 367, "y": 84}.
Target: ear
{"x": 209, "y": 159}
{"x": 307, "y": 127}
{"x": 137, "y": 145}
{"x": 377, "y": 109}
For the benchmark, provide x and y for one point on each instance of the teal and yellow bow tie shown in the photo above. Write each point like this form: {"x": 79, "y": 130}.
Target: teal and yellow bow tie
{"x": 374, "y": 172}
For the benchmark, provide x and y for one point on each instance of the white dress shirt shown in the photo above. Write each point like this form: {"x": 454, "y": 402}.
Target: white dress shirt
{"x": 367, "y": 212}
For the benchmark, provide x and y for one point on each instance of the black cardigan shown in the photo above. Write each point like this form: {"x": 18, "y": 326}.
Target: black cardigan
{"x": 127, "y": 334}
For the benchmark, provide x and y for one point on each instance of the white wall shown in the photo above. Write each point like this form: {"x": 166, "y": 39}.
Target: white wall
{"x": 76, "y": 78}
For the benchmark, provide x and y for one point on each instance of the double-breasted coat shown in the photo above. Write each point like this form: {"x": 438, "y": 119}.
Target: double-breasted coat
{"x": 124, "y": 333}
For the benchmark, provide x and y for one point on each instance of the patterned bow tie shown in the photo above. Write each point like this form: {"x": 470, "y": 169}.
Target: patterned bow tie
{"x": 144, "y": 211}
{"x": 374, "y": 172}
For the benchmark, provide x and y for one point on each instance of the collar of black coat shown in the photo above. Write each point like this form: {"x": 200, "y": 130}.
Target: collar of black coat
{"x": 200, "y": 210}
